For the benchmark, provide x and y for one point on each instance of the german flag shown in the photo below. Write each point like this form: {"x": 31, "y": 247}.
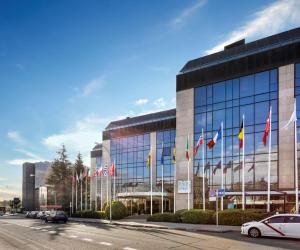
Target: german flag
{"x": 241, "y": 134}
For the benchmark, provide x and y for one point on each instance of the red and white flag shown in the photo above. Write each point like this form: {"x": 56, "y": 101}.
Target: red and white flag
{"x": 112, "y": 169}
{"x": 200, "y": 142}
{"x": 267, "y": 129}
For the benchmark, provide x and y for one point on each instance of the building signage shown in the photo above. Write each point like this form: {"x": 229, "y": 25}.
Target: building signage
{"x": 184, "y": 187}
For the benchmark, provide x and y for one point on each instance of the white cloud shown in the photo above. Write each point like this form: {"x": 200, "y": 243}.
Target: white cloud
{"x": 9, "y": 192}
{"x": 92, "y": 86}
{"x": 79, "y": 137}
{"x": 141, "y": 101}
{"x": 160, "y": 103}
{"x": 182, "y": 17}
{"x": 29, "y": 157}
{"x": 15, "y": 136}
{"x": 272, "y": 19}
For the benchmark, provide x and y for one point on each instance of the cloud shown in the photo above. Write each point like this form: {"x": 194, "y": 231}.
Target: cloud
{"x": 15, "y": 136}
{"x": 79, "y": 137}
{"x": 9, "y": 192}
{"x": 274, "y": 18}
{"x": 30, "y": 157}
{"x": 182, "y": 17}
{"x": 160, "y": 103}
{"x": 140, "y": 102}
{"x": 92, "y": 86}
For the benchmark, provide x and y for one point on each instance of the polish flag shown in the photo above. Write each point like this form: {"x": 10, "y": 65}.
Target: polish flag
{"x": 267, "y": 129}
{"x": 200, "y": 142}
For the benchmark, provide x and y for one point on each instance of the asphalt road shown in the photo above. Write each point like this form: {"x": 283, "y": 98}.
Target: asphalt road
{"x": 20, "y": 233}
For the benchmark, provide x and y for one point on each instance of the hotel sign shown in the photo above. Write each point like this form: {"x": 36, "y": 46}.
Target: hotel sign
{"x": 184, "y": 187}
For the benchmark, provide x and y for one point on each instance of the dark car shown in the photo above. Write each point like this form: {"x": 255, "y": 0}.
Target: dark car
{"x": 56, "y": 216}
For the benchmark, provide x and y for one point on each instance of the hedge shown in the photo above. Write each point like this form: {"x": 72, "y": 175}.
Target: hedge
{"x": 89, "y": 214}
{"x": 119, "y": 211}
{"x": 197, "y": 216}
{"x": 166, "y": 217}
{"x": 236, "y": 217}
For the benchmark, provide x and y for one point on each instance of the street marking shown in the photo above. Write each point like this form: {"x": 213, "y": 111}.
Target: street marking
{"x": 52, "y": 232}
{"x": 44, "y": 230}
{"x": 105, "y": 243}
{"x": 129, "y": 248}
{"x": 62, "y": 234}
{"x": 87, "y": 239}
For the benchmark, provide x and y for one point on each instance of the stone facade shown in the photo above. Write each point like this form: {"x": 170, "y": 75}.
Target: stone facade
{"x": 286, "y": 137}
{"x": 184, "y": 127}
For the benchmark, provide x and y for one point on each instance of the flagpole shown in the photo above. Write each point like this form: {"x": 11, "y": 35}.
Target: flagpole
{"x": 81, "y": 193}
{"x": 296, "y": 163}
{"x": 162, "y": 180}
{"x": 222, "y": 165}
{"x": 269, "y": 163}
{"x": 76, "y": 187}
{"x": 188, "y": 177}
{"x": 243, "y": 170}
{"x": 174, "y": 163}
{"x": 96, "y": 180}
{"x": 114, "y": 181}
{"x": 151, "y": 198}
{"x": 72, "y": 192}
{"x": 101, "y": 202}
{"x": 86, "y": 179}
{"x": 203, "y": 172}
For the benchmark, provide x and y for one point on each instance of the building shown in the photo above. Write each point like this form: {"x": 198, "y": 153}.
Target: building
{"x": 34, "y": 189}
{"x": 96, "y": 159}
{"x": 243, "y": 79}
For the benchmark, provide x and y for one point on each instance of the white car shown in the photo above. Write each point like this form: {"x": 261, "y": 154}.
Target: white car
{"x": 280, "y": 225}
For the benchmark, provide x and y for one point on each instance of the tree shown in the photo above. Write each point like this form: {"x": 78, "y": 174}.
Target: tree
{"x": 59, "y": 178}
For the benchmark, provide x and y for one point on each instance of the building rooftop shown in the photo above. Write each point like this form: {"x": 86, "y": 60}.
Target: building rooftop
{"x": 143, "y": 119}
{"x": 240, "y": 49}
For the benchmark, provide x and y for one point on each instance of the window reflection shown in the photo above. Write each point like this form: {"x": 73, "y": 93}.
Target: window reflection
{"x": 227, "y": 101}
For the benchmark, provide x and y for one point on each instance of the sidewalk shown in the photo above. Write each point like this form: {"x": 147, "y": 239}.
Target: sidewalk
{"x": 162, "y": 225}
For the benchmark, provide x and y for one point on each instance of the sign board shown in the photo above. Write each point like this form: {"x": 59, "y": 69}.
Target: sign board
{"x": 230, "y": 206}
{"x": 184, "y": 187}
{"x": 221, "y": 192}
{"x": 212, "y": 193}
{"x": 213, "y": 198}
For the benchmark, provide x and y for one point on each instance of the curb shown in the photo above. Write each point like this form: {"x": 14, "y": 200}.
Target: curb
{"x": 153, "y": 226}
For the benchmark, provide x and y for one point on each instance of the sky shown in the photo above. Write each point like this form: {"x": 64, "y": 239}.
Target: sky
{"x": 68, "y": 68}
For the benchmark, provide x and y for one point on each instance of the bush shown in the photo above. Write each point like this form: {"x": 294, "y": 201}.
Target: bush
{"x": 166, "y": 217}
{"x": 89, "y": 214}
{"x": 197, "y": 216}
{"x": 236, "y": 217}
{"x": 119, "y": 211}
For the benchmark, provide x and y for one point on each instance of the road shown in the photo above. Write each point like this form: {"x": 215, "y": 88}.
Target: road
{"x": 19, "y": 233}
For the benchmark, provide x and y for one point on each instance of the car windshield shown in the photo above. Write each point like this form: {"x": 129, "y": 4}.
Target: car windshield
{"x": 60, "y": 213}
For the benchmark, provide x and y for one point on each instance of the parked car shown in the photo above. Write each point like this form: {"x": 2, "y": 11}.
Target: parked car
{"x": 43, "y": 216}
{"x": 56, "y": 216}
{"x": 27, "y": 215}
{"x": 1, "y": 213}
{"x": 32, "y": 214}
{"x": 280, "y": 225}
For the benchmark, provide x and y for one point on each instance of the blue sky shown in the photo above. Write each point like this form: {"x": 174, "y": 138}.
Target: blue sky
{"x": 69, "y": 67}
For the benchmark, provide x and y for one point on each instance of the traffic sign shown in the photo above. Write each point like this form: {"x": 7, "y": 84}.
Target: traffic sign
{"x": 221, "y": 192}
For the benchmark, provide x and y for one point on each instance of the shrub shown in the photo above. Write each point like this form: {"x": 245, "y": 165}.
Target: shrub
{"x": 119, "y": 211}
{"x": 197, "y": 216}
{"x": 166, "y": 217}
{"x": 236, "y": 217}
{"x": 89, "y": 214}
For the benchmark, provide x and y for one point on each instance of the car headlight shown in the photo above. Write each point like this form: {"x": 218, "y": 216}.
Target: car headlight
{"x": 246, "y": 225}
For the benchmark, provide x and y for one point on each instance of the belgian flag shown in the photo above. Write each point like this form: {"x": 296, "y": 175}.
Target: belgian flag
{"x": 149, "y": 159}
{"x": 174, "y": 154}
{"x": 241, "y": 134}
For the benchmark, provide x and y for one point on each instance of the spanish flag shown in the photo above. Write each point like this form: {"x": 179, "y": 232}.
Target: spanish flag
{"x": 174, "y": 154}
{"x": 241, "y": 134}
{"x": 149, "y": 159}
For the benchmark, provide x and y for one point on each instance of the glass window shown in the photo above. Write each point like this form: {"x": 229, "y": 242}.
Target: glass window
{"x": 262, "y": 82}
{"x": 276, "y": 219}
{"x": 219, "y": 92}
{"x": 246, "y": 86}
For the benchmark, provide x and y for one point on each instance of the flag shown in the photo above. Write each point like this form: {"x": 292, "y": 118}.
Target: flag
{"x": 77, "y": 179}
{"x": 174, "y": 154}
{"x": 228, "y": 165}
{"x": 104, "y": 170}
{"x": 267, "y": 129}
{"x": 99, "y": 171}
{"x": 199, "y": 142}
{"x": 213, "y": 141}
{"x": 84, "y": 173}
{"x": 237, "y": 168}
{"x": 251, "y": 168}
{"x": 88, "y": 173}
{"x": 241, "y": 134}
{"x": 73, "y": 179}
{"x": 149, "y": 159}
{"x": 218, "y": 166}
{"x": 111, "y": 169}
{"x": 207, "y": 166}
{"x": 81, "y": 176}
{"x": 293, "y": 118}
{"x": 187, "y": 149}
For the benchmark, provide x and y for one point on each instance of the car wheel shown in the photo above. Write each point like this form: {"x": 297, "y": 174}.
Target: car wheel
{"x": 254, "y": 232}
